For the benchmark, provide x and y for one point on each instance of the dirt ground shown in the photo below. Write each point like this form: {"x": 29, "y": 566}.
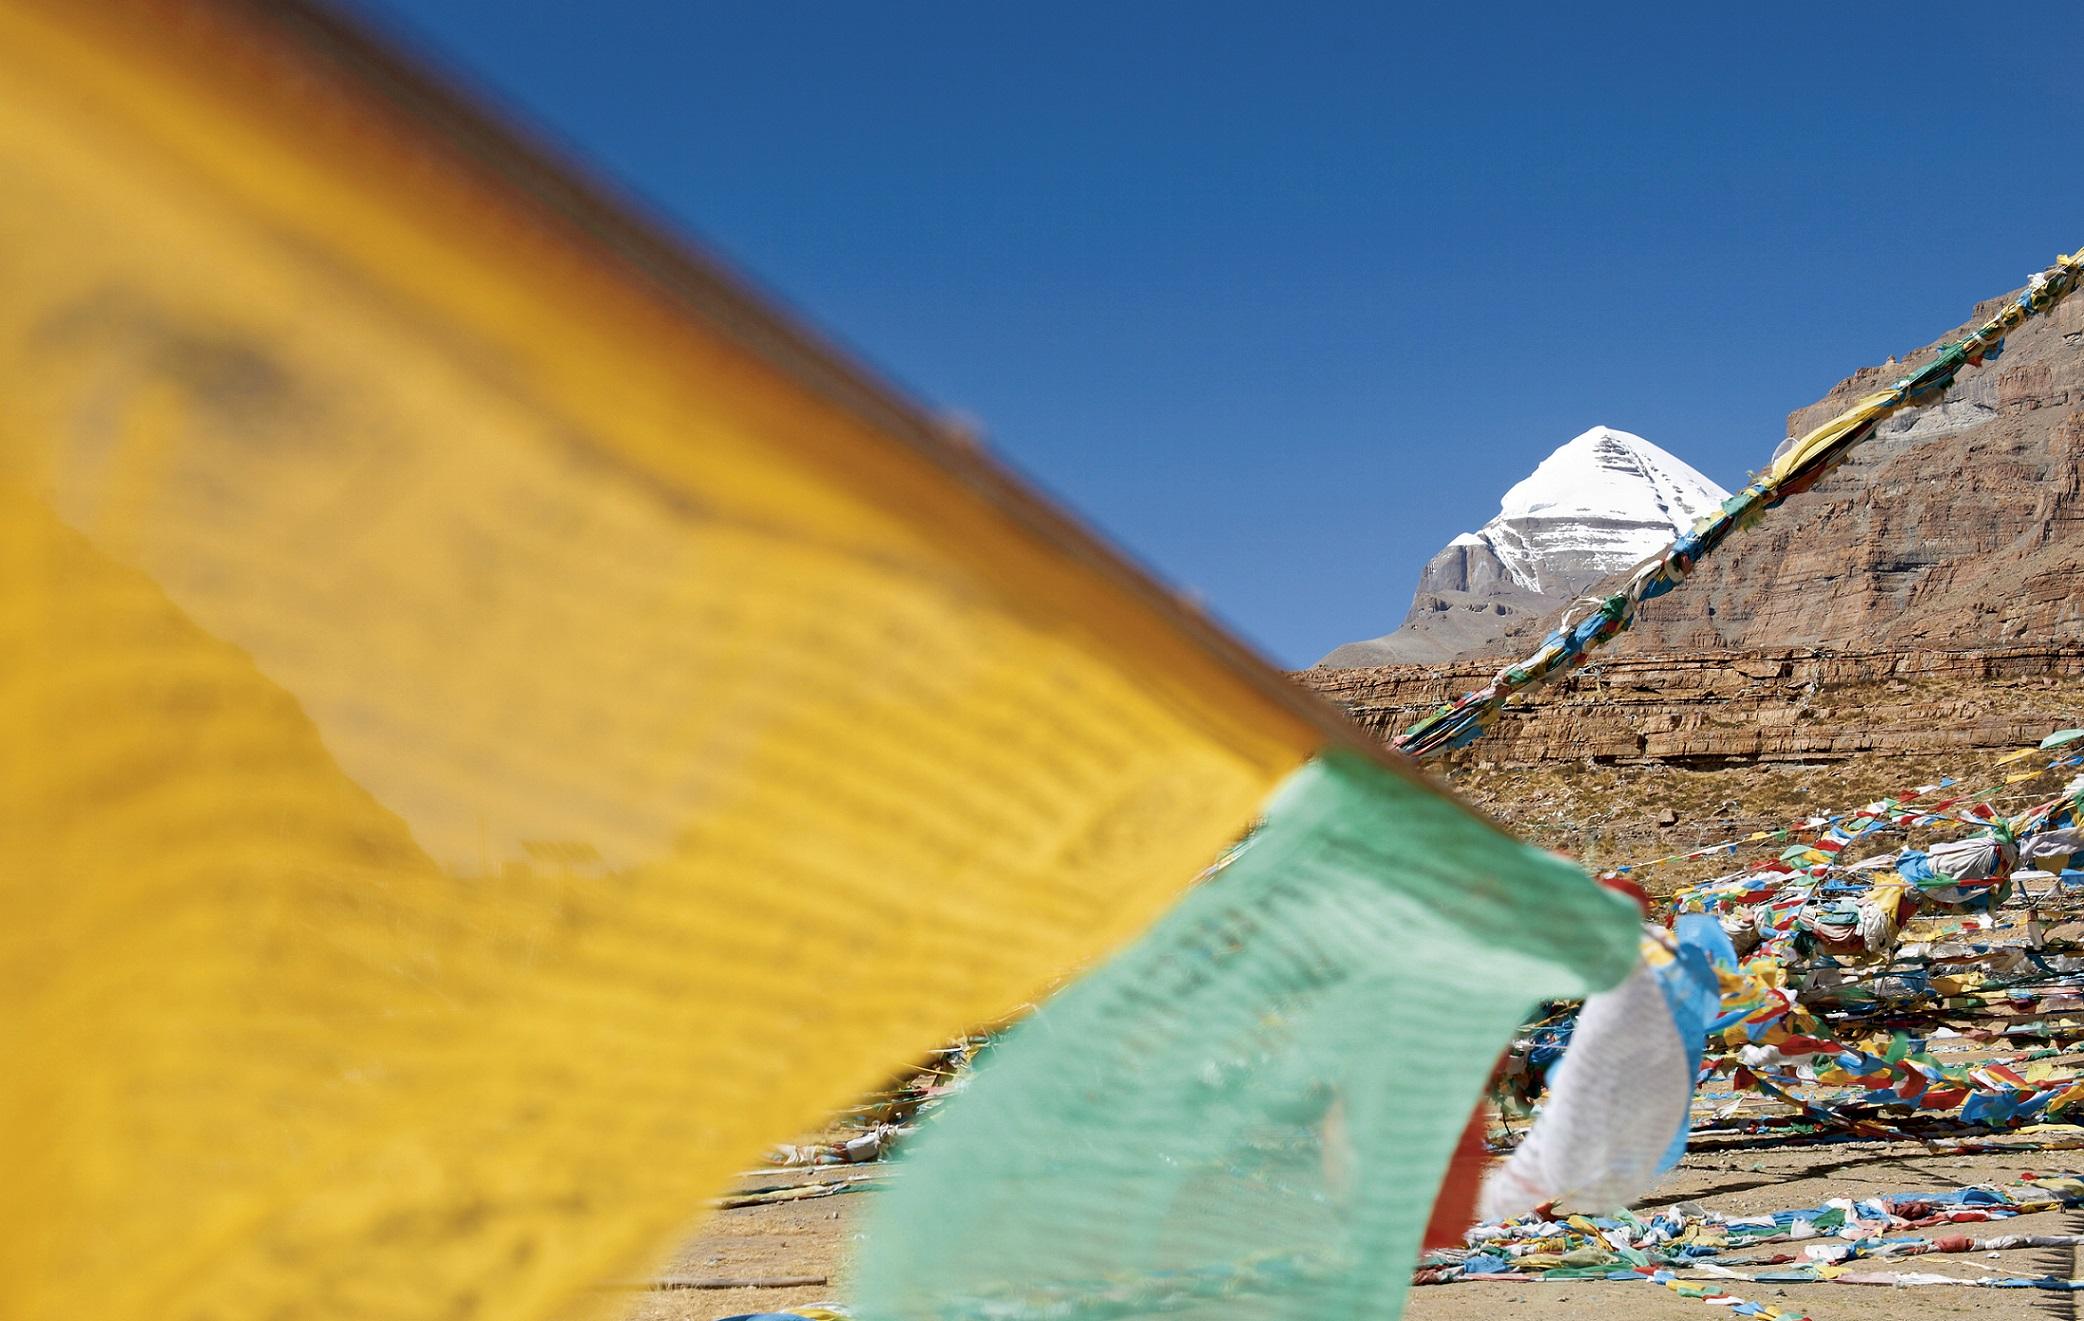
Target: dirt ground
{"x": 785, "y": 1240}
{"x": 810, "y": 1238}
{"x": 1756, "y": 1179}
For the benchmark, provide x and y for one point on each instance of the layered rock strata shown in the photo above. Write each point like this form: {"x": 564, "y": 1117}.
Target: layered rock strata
{"x": 1795, "y": 705}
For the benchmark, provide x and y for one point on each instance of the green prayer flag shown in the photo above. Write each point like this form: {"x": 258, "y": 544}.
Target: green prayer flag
{"x": 1258, "y": 1099}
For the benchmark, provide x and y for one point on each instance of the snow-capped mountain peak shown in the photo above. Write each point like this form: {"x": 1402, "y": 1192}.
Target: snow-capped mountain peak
{"x": 1601, "y": 503}
{"x": 1613, "y": 474}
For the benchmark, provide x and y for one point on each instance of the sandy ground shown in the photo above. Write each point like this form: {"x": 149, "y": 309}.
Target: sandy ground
{"x": 1758, "y": 1179}
{"x": 810, "y": 1238}
{"x": 791, "y": 1239}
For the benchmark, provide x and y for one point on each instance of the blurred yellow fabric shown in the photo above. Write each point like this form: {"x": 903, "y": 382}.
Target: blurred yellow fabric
{"x": 486, "y": 750}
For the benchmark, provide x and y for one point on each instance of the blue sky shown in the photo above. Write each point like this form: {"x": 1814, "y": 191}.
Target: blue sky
{"x": 1281, "y": 297}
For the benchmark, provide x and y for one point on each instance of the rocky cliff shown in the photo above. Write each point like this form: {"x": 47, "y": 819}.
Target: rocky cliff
{"x": 1917, "y": 614}
{"x": 1724, "y": 708}
{"x": 1957, "y": 526}
{"x": 1643, "y": 756}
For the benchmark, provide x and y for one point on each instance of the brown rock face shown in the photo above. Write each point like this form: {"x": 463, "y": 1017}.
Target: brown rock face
{"x": 1796, "y": 705}
{"x": 1599, "y": 764}
{"x": 1917, "y": 614}
{"x": 1957, "y": 526}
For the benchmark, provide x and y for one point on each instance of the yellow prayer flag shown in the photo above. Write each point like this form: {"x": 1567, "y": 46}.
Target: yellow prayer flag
{"x": 504, "y": 726}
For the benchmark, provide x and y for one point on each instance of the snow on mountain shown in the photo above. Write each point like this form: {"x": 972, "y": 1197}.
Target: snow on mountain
{"x": 1600, "y": 503}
